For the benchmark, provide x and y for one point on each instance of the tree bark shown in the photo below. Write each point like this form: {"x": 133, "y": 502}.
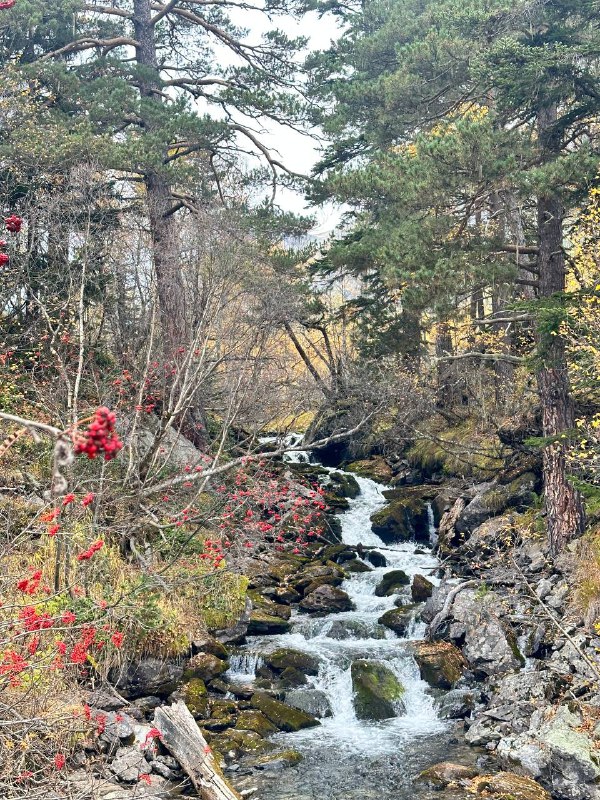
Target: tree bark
{"x": 564, "y": 506}
{"x": 163, "y": 225}
{"x": 181, "y": 735}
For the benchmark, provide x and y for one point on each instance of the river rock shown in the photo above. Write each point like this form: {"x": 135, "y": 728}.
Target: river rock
{"x": 421, "y": 589}
{"x": 508, "y": 786}
{"x": 356, "y": 565}
{"x": 236, "y": 634}
{"x": 253, "y": 720}
{"x": 195, "y": 695}
{"x": 354, "y": 629}
{"x": 282, "y": 595}
{"x": 441, "y": 664}
{"x": 445, "y": 774}
{"x": 557, "y": 751}
{"x": 150, "y": 676}
{"x": 392, "y": 583}
{"x": 208, "y": 644}
{"x": 119, "y": 729}
{"x": 377, "y": 691}
{"x": 398, "y": 619}
{"x": 327, "y": 600}
{"x": 129, "y": 764}
{"x": 376, "y": 558}
{"x": 204, "y": 666}
{"x": 281, "y": 715}
{"x": 285, "y": 657}
{"x": 262, "y": 624}
{"x": 375, "y": 468}
{"x": 493, "y": 498}
{"x": 277, "y": 761}
{"x": 312, "y": 701}
{"x": 457, "y": 703}
{"x": 343, "y": 484}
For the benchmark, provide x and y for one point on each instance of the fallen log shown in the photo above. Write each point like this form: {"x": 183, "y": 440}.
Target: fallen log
{"x": 182, "y": 737}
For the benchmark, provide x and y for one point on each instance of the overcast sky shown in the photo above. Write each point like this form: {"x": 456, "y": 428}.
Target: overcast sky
{"x": 297, "y": 151}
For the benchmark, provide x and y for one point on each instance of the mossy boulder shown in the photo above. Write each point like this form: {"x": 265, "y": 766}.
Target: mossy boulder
{"x": 508, "y": 786}
{"x": 282, "y": 595}
{"x": 208, "y": 644}
{"x": 398, "y": 619}
{"x": 284, "y": 717}
{"x": 337, "y": 553}
{"x": 356, "y": 565}
{"x": 262, "y": 603}
{"x": 493, "y": 499}
{"x": 440, "y": 776}
{"x": 405, "y": 517}
{"x": 284, "y": 658}
{"x": 377, "y": 691}
{"x": 343, "y": 485}
{"x": 261, "y": 624}
{"x": 318, "y": 575}
{"x": 234, "y": 743}
{"x": 327, "y": 600}
{"x": 335, "y": 502}
{"x": 204, "y": 666}
{"x": 253, "y": 720}
{"x": 421, "y": 589}
{"x": 441, "y": 664}
{"x": 376, "y": 468}
{"x": 392, "y": 583}
{"x": 195, "y": 695}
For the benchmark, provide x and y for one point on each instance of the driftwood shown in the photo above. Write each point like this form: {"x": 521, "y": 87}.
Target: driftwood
{"x": 181, "y": 736}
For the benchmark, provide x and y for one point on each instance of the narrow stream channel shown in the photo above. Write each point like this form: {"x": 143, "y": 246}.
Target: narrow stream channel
{"x": 347, "y": 758}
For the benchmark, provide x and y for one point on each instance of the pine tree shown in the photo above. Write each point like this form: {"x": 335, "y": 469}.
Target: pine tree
{"x": 171, "y": 92}
{"x": 467, "y": 133}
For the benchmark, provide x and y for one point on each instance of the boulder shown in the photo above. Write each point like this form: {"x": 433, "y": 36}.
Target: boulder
{"x": 326, "y": 600}
{"x": 311, "y": 701}
{"x": 204, "y": 666}
{"x": 129, "y": 764}
{"x": 354, "y": 629}
{"x": 344, "y": 485}
{"x": 282, "y": 595}
{"x": 441, "y": 664}
{"x": 119, "y": 729}
{"x": 457, "y": 703}
{"x": 421, "y": 589}
{"x": 375, "y": 468}
{"x": 556, "y": 750}
{"x": 195, "y": 695}
{"x": 376, "y": 558}
{"x": 493, "y": 498}
{"x": 398, "y": 619}
{"x": 377, "y": 691}
{"x": 284, "y": 717}
{"x": 150, "y": 676}
{"x": 262, "y": 623}
{"x": 208, "y": 644}
{"x": 392, "y": 583}
{"x": 356, "y": 565}
{"x": 284, "y": 658}
{"x": 252, "y": 720}
{"x": 440, "y": 776}
{"x": 508, "y": 786}
{"x": 489, "y": 643}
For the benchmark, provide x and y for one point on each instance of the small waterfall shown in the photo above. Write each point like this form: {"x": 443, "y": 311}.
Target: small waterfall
{"x": 243, "y": 666}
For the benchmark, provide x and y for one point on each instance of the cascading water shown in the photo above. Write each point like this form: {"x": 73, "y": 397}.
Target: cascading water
{"x": 347, "y": 758}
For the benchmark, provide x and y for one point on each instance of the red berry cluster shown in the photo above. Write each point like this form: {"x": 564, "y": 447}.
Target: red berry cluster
{"x": 91, "y": 551}
{"x": 13, "y": 223}
{"x": 5, "y": 4}
{"x": 100, "y": 436}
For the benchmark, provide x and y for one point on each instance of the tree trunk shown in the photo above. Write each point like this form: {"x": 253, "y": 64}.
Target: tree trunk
{"x": 163, "y": 226}
{"x": 181, "y": 735}
{"x": 564, "y": 507}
